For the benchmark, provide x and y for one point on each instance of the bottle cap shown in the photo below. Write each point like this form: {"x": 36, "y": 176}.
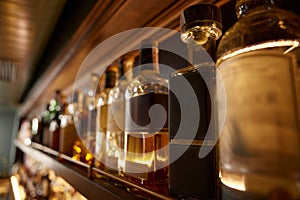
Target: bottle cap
{"x": 111, "y": 76}
{"x": 148, "y": 51}
{"x": 243, "y": 6}
{"x": 128, "y": 66}
{"x": 196, "y": 14}
{"x": 148, "y": 43}
{"x": 121, "y": 68}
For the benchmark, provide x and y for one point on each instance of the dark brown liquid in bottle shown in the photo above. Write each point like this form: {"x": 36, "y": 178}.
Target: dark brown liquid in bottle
{"x": 201, "y": 85}
{"x": 189, "y": 168}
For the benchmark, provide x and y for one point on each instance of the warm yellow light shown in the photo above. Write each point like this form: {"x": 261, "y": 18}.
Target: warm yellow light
{"x": 15, "y": 187}
{"x": 76, "y": 157}
{"x": 289, "y": 43}
{"x": 88, "y": 157}
{"x": 77, "y": 149}
{"x": 235, "y": 182}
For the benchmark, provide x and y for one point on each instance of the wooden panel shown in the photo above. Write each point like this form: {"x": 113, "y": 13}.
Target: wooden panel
{"x": 105, "y": 20}
{"x": 25, "y": 27}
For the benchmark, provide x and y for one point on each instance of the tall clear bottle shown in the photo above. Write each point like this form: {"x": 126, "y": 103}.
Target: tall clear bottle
{"x": 67, "y": 132}
{"x": 111, "y": 75}
{"x": 116, "y": 118}
{"x": 258, "y": 61}
{"x": 55, "y": 108}
{"x": 90, "y": 107}
{"x": 37, "y": 129}
{"x": 192, "y": 119}
{"x": 146, "y": 123}
{"x": 46, "y": 119}
{"x": 79, "y": 112}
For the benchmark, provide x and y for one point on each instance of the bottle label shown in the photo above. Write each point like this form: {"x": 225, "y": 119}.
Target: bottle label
{"x": 138, "y": 115}
{"x": 115, "y": 116}
{"x": 91, "y": 122}
{"x": 102, "y": 118}
{"x": 260, "y": 105}
{"x": 111, "y": 162}
{"x": 192, "y": 91}
{"x": 100, "y": 146}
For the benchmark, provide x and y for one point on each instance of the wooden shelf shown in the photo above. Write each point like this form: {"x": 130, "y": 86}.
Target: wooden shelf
{"x": 80, "y": 175}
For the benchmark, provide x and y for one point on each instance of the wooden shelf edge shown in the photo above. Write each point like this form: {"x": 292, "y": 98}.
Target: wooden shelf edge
{"x": 83, "y": 184}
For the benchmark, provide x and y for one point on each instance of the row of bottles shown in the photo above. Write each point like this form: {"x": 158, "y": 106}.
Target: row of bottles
{"x": 57, "y": 127}
{"x": 126, "y": 143}
{"x": 233, "y": 124}
{"x": 95, "y": 128}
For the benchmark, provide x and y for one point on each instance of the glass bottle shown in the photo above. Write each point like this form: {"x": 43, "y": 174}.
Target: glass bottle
{"x": 67, "y": 133}
{"x": 80, "y": 117}
{"x": 111, "y": 75}
{"x": 116, "y": 118}
{"x": 80, "y": 122}
{"x": 55, "y": 108}
{"x": 37, "y": 129}
{"x": 90, "y": 106}
{"x": 146, "y": 123}
{"x": 46, "y": 119}
{"x": 258, "y": 61}
{"x": 192, "y": 119}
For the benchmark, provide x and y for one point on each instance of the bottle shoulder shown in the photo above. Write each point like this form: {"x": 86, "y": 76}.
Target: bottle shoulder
{"x": 102, "y": 97}
{"x": 260, "y": 26}
{"x": 147, "y": 82}
{"x": 185, "y": 70}
{"x": 148, "y": 77}
{"x": 118, "y": 92}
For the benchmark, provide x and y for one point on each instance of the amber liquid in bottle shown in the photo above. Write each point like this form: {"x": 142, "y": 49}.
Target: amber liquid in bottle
{"x": 116, "y": 119}
{"x": 146, "y": 124}
{"x": 147, "y": 150}
{"x": 79, "y": 110}
{"x": 101, "y": 156}
{"x": 115, "y": 134}
{"x": 68, "y": 134}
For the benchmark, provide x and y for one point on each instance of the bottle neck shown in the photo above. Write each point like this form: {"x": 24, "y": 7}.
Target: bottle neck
{"x": 128, "y": 73}
{"x": 121, "y": 71}
{"x": 201, "y": 48}
{"x": 244, "y": 7}
{"x": 149, "y": 59}
{"x": 93, "y": 85}
{"x": 111, "y": 79}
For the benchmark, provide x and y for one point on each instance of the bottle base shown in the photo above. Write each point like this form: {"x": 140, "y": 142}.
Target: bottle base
{"x": 258, "y": 186}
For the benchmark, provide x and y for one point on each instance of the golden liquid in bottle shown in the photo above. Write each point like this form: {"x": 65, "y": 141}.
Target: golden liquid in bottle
{"x": 146, "y": 153}
{"x": 115, "y": 136}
